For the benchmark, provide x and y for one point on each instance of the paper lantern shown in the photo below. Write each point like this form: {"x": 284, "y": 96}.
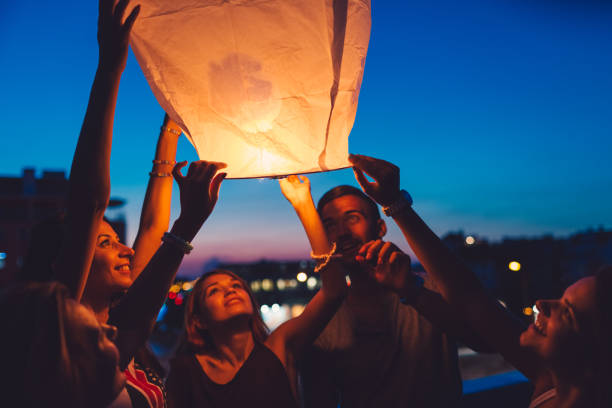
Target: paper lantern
{"x": 268, "y": 86}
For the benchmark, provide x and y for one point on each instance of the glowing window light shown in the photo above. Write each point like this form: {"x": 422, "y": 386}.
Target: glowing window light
{"x": 267, "y": 285}
{"x": 311, "y": 283}
{"x": 514, "y": 266}
{"x": 256, "y": 286}
{"x": 297, "y": 310}
{"x": 470, "y": 240}
{"x": 253, "y": 108}
{"x": 302, "y": 277}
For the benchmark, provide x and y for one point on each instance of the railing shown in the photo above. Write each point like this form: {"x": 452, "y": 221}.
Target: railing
{"x": 507, "y": 390}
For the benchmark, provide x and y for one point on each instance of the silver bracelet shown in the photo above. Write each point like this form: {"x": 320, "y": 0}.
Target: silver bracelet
{"x": 177, "y": 242}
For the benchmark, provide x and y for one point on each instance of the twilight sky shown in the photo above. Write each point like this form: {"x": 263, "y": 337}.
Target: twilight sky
{"x": 499, "y": 114}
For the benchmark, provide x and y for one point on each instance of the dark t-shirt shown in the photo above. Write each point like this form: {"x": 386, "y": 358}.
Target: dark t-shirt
{"x": 398, "y": 361}
{"x": 260, "y": 382}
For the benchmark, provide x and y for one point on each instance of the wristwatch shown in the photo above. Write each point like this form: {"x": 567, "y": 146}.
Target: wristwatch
{"x": 402, "y": 202}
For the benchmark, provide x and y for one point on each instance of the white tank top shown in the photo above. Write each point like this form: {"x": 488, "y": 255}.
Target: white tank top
{"x": 542, "y": 398}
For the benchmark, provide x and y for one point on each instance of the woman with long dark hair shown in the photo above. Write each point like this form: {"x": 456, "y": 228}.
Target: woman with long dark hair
{"x": 98, "y": 270}
{"x": 232, "y": 361}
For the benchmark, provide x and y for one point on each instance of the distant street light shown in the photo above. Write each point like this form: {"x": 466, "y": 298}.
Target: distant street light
{"x": 302, "y": 277}
{"x": 470, "y": 240}
{"x": 514, "y": 266}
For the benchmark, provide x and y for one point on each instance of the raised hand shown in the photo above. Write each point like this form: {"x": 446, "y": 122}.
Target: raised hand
{"x": 296, "y": 189}
{"x": 199, "y": 192}
{"x": 390, "y": 267}
{"x": 385, "y": 188}
{"x": 114, "y": 32}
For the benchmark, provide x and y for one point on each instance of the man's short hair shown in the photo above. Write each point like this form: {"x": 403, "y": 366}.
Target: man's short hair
{"x": 343, "y": 190}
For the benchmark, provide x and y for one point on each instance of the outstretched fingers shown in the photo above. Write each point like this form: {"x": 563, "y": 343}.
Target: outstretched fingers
{"x": 176, "y": 172}
{"x": 215, "y": 185}
{"x": 120, "y": 10}
{"x": 211, "y": 169}
{"x": 386, "y": 251}
{"x": 129, "y": 21}
{"x": 362, "y": 180}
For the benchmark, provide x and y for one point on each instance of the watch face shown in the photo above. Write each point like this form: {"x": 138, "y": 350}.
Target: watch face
{"x": 405, "y": 200}
{"x": 407, "y": 196}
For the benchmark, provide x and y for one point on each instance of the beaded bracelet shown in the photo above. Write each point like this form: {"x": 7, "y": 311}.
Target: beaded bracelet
{"x": 177, "y": 242}
{"x": 159, "y": 174}
{"x": 325, "y": 258}
{"x": 170, "y": 130}
{"x": 171, "y": 162}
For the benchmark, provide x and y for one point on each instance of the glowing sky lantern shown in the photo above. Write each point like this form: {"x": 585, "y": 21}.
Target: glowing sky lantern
{"x": 268, "y": 86}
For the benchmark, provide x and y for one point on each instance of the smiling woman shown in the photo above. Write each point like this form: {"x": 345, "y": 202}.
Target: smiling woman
{"x": 206, "y": 290}
{"x": 228, "y": 346}
{"x": 565, "y": 353}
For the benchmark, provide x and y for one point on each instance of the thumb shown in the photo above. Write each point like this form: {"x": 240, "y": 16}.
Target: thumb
{"x": 215, "y": 185}
{"x": 361, "y": 179}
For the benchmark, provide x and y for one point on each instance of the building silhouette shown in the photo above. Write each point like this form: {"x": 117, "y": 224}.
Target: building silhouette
{"x": 26, "y": 201}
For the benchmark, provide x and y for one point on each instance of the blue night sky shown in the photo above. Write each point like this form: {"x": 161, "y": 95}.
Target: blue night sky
{"x": 499, "y": 114}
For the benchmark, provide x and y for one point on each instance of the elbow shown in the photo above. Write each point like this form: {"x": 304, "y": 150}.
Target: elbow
{"x": 94, "y": 197}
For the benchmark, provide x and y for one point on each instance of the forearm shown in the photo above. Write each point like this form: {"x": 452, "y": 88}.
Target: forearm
{"x": 138, "y": 309}
{"x": 309, "y": 217}
{"x": 90, "y": 171}
{"x": 89, "y": 184}
{"x": 440, "y": 314}
{"x": 453, "y": 279}
{"x": 155, "y": 215}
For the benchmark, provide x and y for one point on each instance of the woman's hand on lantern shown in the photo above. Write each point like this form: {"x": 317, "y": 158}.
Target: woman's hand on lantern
{"x": 199, "y": 191}
{"x": 390, "y": 267}
{"x": 296, "y": 189}
{"x": 114, "y": 32}
{"x": 385, "y": 187}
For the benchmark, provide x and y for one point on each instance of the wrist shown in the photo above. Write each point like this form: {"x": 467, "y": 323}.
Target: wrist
{"x": 411, "y": 291}
{"x": 303, "y": 204}
{"x": 170, "y": 131}
{"x": 110, "y": 69}
{"x": 186, "y": 228}
{"x": 402, "y": 201}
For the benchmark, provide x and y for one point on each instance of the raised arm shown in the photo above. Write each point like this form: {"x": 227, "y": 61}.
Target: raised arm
{"x": 155, "y": 215}
{"x": 135, "y": 315}
{"x": 458, "y": 285}
{"x": 89, "y": 183}
{"x": 296, "y": 190}
{"x": 296, "y": 334}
